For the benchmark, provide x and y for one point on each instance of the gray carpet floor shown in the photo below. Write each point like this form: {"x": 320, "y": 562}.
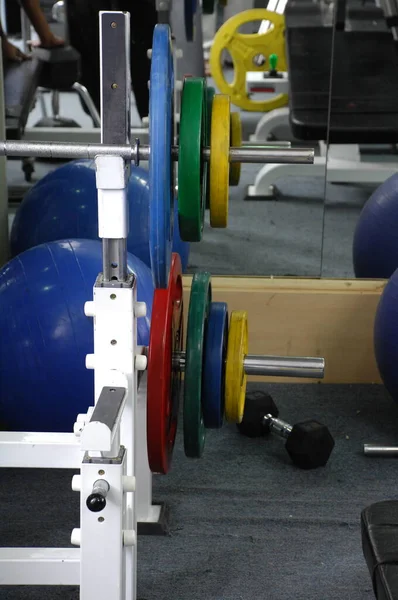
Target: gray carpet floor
{"x": 245, "y": 523}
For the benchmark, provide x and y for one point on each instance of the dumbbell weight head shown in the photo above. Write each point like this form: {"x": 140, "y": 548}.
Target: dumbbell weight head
{"x": 257, "y": 404}
{"x": 310, "y": 444}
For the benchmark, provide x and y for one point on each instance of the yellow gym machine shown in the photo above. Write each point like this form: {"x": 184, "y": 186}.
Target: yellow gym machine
{"x": 245, "y": 50}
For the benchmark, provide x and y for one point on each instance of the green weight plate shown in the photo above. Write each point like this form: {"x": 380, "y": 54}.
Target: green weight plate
{"x": 199, "y": 306}
{"x": 210, "y": 93}
{"x": 208, "y": 7}
{"x": 192, "y": 171}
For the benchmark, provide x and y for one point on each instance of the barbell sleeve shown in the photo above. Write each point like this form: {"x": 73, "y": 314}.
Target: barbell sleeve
{"x": 137, "y": 152}
{"x": 267, "y": 144}
{"x": 271, "y": 155}
{"x": 375, "y": 450}
{"x": 273, "y": 366}
{"x": 284, "y": 366}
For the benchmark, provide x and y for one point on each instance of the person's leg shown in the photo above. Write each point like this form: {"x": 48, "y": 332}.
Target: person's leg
{"x": 143, "y": 21}
{"x": 84, "y": 37}
{"x": 83, "y": 30}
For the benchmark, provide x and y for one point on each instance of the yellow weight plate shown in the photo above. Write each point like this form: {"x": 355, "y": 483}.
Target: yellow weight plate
{"x": 244, "y": 48}
{"x": 235, "y": 376}
{"x": 219, "y": 160}
{"x": 236, "y": 141}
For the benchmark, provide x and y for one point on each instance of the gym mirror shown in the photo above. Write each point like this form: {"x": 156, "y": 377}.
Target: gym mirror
{"x": 360, "y": 218}
{"x": 276, "y": 213}
{"x": 277, "y": 229}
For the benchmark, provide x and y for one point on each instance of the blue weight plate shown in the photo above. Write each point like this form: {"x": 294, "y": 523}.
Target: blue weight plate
{"x": 189, "y": 17}
{"x": 214, "y": 365}
{"x": 161, "y": 117}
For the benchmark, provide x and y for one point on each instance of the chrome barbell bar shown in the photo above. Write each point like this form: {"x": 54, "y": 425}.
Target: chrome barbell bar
{"x": 378, "y": 450}
{"x": 273, "y": 366}
{"x": 138, "y": 152}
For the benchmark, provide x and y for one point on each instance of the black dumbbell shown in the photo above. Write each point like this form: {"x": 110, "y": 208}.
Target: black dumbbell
{"x": 309, "y": 444}
{"x": 257, "y": 404}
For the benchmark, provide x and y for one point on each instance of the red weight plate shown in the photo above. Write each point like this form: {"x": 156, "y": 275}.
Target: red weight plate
{"x": 163, "y": 391}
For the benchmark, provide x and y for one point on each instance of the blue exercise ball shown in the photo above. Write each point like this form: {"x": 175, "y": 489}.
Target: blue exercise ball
{"x": 386, "y": 336}
{"x": 375, "y": 248}
{"x": 45, "y": 335}
{"x": 63, "y": 205}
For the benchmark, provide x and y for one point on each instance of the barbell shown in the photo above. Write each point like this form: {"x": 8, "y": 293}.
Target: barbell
{"x": 215, "y": 366}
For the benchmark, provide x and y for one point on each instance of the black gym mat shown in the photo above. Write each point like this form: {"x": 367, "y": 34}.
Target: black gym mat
{"x": 245, "y": 523}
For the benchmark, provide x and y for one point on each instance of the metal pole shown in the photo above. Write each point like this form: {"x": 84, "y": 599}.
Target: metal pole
{"x": 374, "y": 450}
{"x": 115, "y": 120}
{"x": 268, "y": 155}
{"x": 25, "y": 27}
{"x": 139, "y": 153}
{"x": 273, "y": 366}
{"x": 390, "y": 10}
{"x": 4, "y": 249}
{"x": 63, "y": 149}
{"x": 284, "y": 366}
{"x": 88, "y": 101}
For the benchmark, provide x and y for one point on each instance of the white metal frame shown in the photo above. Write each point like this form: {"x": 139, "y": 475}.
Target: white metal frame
{"x": 108, "y": 444}
{"x": 257, "y": 83}
{"x": 269, "y": 122}
{"x": 342, "y": 164}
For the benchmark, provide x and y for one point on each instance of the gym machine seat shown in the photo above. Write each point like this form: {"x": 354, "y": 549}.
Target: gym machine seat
{"x": 379, "y": 524}
{"x": 20, "y": 84}
{"x": 299, "y": 13}
{"x": 364, "y": 85}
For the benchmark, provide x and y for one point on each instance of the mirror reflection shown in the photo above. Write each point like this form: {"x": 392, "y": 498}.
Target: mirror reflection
{"x": 271, "y": 62}
{"x": 276, "y": 213}
{"x": 361, "y": 186}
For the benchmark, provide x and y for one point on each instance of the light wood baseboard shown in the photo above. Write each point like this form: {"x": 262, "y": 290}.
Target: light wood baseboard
{"x": 330, "y": 318}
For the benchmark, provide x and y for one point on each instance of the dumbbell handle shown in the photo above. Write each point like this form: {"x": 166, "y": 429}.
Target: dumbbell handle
{"x": 138, "y": 153}
{"x": 273, "y": 366}
{"x": 277, "y": 426}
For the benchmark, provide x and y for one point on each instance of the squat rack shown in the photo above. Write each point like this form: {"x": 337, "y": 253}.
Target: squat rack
{"x": 109, "y": 442}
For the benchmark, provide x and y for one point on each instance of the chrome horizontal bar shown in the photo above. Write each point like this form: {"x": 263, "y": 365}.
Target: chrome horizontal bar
{"x": 273, "y": 366}
{"x": 137, "y": 153}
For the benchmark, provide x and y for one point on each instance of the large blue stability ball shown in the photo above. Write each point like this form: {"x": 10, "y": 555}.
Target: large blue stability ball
{"x": 375, "y": 248}
{"x": 63, "y": 205}
{"x": 45, "y": 335}
{"x": 386, "y": 336}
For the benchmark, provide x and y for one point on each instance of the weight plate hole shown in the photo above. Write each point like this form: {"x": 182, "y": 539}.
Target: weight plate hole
{"x": 259, "y": 26}
{"x": 259, "y": 60}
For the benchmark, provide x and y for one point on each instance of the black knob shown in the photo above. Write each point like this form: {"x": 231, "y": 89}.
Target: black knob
{"x": 96, "y": 502}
